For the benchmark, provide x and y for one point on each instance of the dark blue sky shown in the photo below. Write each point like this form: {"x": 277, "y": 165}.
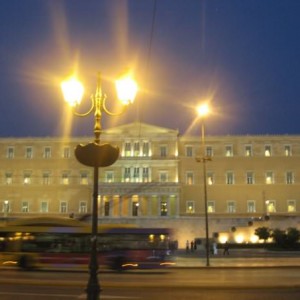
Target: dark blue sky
{"x": 241, "y": 54}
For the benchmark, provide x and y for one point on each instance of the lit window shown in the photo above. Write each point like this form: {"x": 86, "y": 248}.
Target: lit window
{"x": 269, "y": 177}
{"x": 287, "y": 150}
{"x": 8, "y": 178}
{"x": 27, "y": 178}
{"x": 109, "y": 176}
{"x": 163, "y": 208}
{"x": 136, "y": 149}
{"x": 163, "y": 176}
{"x": 65, "y": 179}
{"x": 251, "y": 206}
{"x": 210, "y": 178}
{"x": 291, "y": 206}
{"x": 10, "y": 152}
{"x": 47, "y": 152}
{"x": 84, "y": 178}
{"x": 271, "y": 206}
{"x": 190, "y": 207}
{"x": 145, "y": 148}
{"x": 63, "y": 208}
{"x": 127, "y": 175}
{"x": 6, "y": 207}
{"x": 82, "y": 207}
{"x": 106, "y": 207}
{"x": 211, "y": 206}
{"x": 127, "y": 148}
{"x": 231, "y": 207}
{"x": 189, "y": 178}
{"x": 228, "y": 151}
{"x": 44, "y": 207}
{"x": 145, "y": 174}
{"x": 209, "y": 151}
{"x": 29, "y": 152}
{"x": 248, "y": 150}
{"x": 289, "y": 177}
{"x": 135, "y": 208}
{"x": 25, "y": 207}
{"x": 136, "y": 174}
{"x": 268, "y": 150}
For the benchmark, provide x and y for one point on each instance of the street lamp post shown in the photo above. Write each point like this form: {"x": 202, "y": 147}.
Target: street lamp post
{"x": 203, "y": 111}
{"x": 97, "y": 155}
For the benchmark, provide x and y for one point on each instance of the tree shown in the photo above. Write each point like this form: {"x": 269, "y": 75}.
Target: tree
{"x": 286, "y": 239}
{"x": 263, "y": 233}
{"x": 293, "y": 236}
{"x": 280, "y": 238}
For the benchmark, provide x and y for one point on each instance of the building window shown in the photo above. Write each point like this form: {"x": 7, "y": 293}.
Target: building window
{"x": 190, "y": 207}
{"x": 291, "y": 206}
{"x": 8, "y": 178}
{"x": 145, "y": 148}
{"x": 145, "y": 174}
{"x": 163, "y": 176}
{"x": 163, "y": 151}
{"x": 106, "y": 207}
{"x": 127, "y": 149}
{"x": 136, "y": 149}
{"x": 209, "y": 151}
{"x": 210, "y": 178}
{"x": 10, "y": 152}
{"x": 269, "y": 177}
{"x": 27, "y": 178}
{"x": 63, "y": 208}
{"x": 231, "y": 207}
{"x": 28, "y": 152}
{"x": 84, "y": 178}
{"x": 163, "y": 208}
{"x": 229, "y": 178}
{"x": 66, "y": 152}
{"x": 65, "y": 179}
{"x": 287, "y": 150}
{"x": 189, "y": 151}
{"x": 249, "y": 178}
{"x": 127, "y": 175}
{"x": 47, "y": 152}
{"x": 189, "y": 179}
{"x": 46, "y": 178}
{"x": 44, "y": 207}
{"x": 251, "y": 206}
{"x": 289, "y": 177}
{"x": 228, "y": 151}
{"x": 6, "y": 207}
{"x": 25, "y": 207}
{"x": 82, "y": 207}
{"x": 136, "y": 174}
{"x": 135, "y": 208}
{"x": 271, "y": 206}
{"x": 109, "y": 176}
{"x": 248, "y": 150}
{"x": 268, "y": 150}
{"x": 211, "y": 206}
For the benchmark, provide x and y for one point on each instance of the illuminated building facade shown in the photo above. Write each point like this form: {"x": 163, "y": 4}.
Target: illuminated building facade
{"x": 251, "y": 180}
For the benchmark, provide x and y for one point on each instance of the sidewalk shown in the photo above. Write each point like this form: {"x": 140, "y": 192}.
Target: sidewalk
{"x": 238, "y": 259}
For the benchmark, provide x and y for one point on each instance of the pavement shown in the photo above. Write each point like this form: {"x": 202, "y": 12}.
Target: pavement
{"x": 238, "y": 258}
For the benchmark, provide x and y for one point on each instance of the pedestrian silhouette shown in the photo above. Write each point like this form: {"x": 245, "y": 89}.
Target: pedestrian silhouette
{"x": 226, "y": 249}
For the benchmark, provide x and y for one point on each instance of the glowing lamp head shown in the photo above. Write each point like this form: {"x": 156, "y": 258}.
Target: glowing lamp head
{"x": 73, "y": 91}
{"x": 203, "y": 110}
{"x": 126, "y": 89}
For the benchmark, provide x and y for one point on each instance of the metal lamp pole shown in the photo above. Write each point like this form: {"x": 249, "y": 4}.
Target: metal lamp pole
{"x": 94, "y": 155}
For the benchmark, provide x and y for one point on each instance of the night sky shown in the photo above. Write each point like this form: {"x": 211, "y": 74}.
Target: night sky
{"x": 243, "y": 56}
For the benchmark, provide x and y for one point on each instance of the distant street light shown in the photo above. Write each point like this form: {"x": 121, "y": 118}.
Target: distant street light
{"x": 97, "y": 155}
{"x": 203, "y": 111}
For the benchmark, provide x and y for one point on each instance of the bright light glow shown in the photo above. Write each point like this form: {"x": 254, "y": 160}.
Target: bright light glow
{"x": 203, "y": 110}
{"x": 126, "y": 89}
{"x": 73, "y": 91}
{"x": 254, "y": 239}
{"x": 239, "y": 238}
{"x": 223, "y": 239}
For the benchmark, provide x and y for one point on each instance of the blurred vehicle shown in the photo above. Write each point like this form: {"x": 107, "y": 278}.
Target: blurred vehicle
{"x": 61, "y": 243}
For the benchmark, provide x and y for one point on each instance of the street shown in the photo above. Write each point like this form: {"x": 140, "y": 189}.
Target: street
{"x": 222, "y": 283}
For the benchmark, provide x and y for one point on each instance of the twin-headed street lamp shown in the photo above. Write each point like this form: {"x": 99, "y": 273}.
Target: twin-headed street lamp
{"x": 97, "y": 155}
{"x": 203, "y": 110}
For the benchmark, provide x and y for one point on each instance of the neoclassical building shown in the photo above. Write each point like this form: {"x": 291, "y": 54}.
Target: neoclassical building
{"x": 251, "y": 181}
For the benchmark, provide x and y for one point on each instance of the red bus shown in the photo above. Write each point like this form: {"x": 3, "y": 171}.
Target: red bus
{"x": 55, "y": 243}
